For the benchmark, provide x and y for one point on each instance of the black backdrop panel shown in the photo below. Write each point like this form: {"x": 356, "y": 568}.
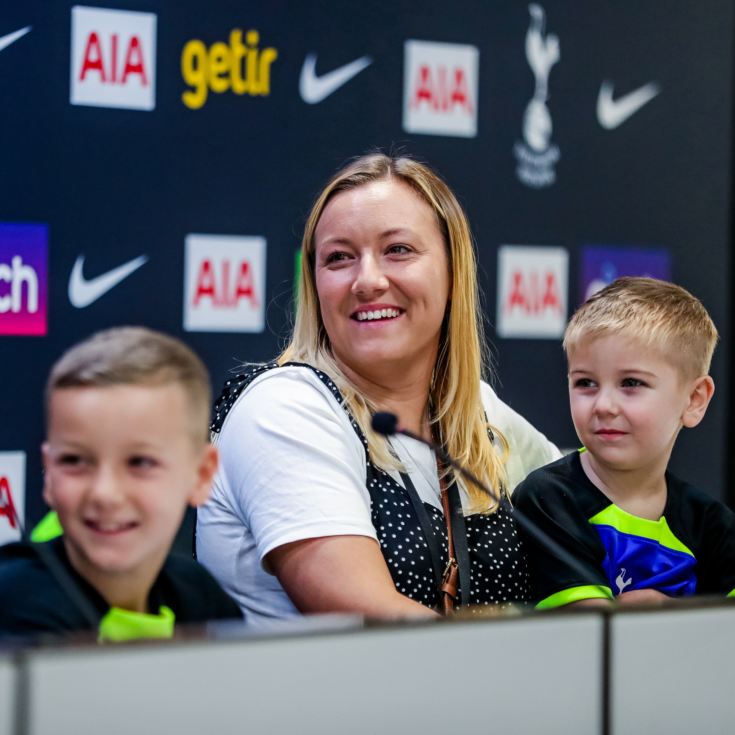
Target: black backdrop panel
{"x": 113, "y": 184}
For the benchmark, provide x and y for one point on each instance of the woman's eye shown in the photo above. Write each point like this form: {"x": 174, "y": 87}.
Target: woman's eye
{"x": 398, "y": 249}
{"x": 335, "y": 257}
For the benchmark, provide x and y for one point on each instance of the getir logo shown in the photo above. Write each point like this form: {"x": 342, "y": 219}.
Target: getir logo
{"x": 440, "y": 88}
{"x": 23, "y": 278}
{"x": 239, "y": 66}
{"x": 12, "y": 494}
{"x": 224, "y": 283}
{"x": 113, "y": 58}
{"x": 532, "y": 291}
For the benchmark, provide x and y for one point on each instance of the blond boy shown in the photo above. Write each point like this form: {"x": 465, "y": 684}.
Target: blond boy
{"x": 127, "y": 451}
{"x": 639, "y": 353}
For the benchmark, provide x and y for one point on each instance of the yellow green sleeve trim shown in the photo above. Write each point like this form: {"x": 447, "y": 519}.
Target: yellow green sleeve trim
{"x": 731, "y": 593}
{"x": 120, "y": 625}
{"x": 575, "y": 594}
{"x": 624, "y": 522}
{"x": 47, "y": 529}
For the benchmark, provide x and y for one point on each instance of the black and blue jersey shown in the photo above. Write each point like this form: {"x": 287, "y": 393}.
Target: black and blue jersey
{"x": 689, "y": 550}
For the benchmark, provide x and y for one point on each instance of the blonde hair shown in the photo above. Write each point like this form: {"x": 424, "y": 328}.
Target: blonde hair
{"x": 659, "y": 314}
{"x": 457, "y": 414}
{"x": 136, "y": 356}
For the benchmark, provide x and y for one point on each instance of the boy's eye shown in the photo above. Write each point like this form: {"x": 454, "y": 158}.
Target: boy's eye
{"x": 70, "y": 460}
{"x": 632, "y": 383}
{"x": 142, "y": 462}
{"x": 584, "y": 383}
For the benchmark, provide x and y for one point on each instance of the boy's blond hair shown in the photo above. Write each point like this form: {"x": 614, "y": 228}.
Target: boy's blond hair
{"x": 136, "y": 356}
{"x": 661, "y": 315}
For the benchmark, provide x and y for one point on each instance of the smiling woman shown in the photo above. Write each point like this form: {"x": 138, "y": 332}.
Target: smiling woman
{"x": 312, "y": 511}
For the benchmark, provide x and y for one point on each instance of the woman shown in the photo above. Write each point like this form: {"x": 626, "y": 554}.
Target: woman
{"x": 311, "y": 510}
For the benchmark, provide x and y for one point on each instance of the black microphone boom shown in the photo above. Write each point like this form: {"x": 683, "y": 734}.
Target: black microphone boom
{"x": 386, "y": 423}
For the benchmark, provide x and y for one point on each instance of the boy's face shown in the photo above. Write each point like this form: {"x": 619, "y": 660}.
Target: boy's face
{"x": 629, "y": 402}
{"x": 121, "y": 466}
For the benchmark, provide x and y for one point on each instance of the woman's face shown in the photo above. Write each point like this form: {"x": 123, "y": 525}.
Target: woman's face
{"x": 382, "y": 278}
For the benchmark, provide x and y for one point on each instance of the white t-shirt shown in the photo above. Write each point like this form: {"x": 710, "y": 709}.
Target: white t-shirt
{"x": 293, "y": 468}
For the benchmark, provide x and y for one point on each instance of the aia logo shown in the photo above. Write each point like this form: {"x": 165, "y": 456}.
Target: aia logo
{"x": 12, "y": 494}
{"x": 440, "y": 88}
{"x": 532, "y": 291}
{"x": 224, "y": 284}
{"x": 23, "y": 278}
{"x": 113, "y": 58}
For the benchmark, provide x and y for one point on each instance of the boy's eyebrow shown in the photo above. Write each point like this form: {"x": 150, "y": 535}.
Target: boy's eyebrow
{"x": 639, "y": 371}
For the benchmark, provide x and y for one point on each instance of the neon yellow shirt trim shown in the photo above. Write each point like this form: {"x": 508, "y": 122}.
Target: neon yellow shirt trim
{"x": 575, "y": 594}
{"x": 47, "y": 529}
{"x": 120, "y": 625}
{"x": 624, "y": 522}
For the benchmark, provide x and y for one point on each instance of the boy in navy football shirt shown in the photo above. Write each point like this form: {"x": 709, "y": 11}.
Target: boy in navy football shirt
{"x": 127, "y": 451}
{"x": 639, "y": 353}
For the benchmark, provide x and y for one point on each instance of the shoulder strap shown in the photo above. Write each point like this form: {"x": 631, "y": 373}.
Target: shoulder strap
{"x": 461, "y": 550}
{"x": 431, "y": 540}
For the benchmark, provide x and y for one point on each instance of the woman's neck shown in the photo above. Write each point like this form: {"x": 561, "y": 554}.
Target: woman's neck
{"x": 405, "y": 394}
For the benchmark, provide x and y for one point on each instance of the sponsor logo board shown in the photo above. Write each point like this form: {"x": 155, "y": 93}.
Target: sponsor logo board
{"x": 536, "y": 155}
{"x": 84, "y": 291}
{"x": 239, "y": 66}
{"x": 314, "y": 88}
{"x": 532, "y": 291}
{"x": 440, "y": 88}
{"x": 113, "y": 58}
{"x": 224, "y": 283}
{"x": 23, "y": 278}
{"x": 613, "y": 112}
{"x": 12, "y": 495}
{"x": 602, "y": 264}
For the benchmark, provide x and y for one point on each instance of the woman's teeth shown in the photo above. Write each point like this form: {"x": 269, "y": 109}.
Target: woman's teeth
{"x": 364, "y": 316}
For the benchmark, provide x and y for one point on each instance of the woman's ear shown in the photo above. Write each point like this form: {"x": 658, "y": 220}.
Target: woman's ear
{"x": 206, "y": 470}
{"x": 700, "y": 395}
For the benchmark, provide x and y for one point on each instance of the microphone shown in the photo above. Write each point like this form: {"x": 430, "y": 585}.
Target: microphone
{"x": 386, "y": 423}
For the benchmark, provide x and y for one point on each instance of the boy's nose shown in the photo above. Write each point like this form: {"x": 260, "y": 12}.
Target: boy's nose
{"x": 104, "y": 487}
{"x": 606, "y": 402}
{"x": 370, "y": 278}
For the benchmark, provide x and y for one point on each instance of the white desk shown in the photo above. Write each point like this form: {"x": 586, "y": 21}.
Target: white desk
{"x": 537, "y": 674}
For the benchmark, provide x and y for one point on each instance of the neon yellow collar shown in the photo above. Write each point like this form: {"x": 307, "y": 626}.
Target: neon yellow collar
{"x": 125, "y": 625}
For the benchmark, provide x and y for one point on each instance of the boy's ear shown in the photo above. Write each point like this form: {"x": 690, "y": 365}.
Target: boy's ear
{"x": 45, "y": 458}
{"x": 208, "y": 464}
{"x": 700, "y": 395}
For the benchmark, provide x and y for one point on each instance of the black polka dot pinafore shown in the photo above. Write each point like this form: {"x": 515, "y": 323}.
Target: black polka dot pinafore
{"x": 498, "y": 569}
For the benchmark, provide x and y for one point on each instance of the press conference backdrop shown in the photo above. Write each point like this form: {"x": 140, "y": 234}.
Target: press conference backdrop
{"x": 157, "y": 161}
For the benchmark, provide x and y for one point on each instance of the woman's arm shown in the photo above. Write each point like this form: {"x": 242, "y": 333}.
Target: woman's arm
{"x": 341, "y": 574}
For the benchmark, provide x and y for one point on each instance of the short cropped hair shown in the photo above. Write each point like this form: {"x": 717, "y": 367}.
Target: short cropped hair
{"x": 661, "y": 315}
{"x": 136, "y": 356}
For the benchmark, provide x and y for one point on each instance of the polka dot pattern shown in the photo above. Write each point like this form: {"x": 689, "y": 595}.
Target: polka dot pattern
{"x": 498, "y": 567}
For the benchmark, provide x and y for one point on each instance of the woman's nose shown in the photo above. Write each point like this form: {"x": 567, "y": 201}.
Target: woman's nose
{"x": 370, "y": 278}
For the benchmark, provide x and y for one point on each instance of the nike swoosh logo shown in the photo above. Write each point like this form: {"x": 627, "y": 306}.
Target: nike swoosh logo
{"x": 5, "y": 41}
{"x": 314, "y": 89}
{"x": 83, "y": 292}
{"x": 612, "y": 113}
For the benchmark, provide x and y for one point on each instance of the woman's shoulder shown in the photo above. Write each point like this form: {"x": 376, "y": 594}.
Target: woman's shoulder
{"x": 290, "y": 389}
